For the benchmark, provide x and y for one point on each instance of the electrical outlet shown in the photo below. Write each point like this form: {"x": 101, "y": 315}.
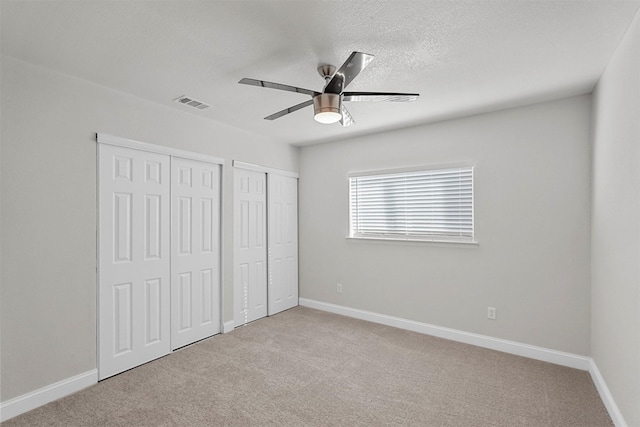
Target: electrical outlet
{"x": 491, "y": 313}
{"x": 339, "y": 288}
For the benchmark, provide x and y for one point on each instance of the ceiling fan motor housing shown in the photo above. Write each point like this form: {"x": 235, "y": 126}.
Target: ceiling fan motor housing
{"x": 326, "y": 107}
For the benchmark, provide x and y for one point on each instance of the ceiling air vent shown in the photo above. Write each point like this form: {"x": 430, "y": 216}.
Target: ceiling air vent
{"x": 186, "y": 100}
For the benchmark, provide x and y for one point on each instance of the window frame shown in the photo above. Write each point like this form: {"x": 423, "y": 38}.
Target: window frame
{"x": 413, "y": 238}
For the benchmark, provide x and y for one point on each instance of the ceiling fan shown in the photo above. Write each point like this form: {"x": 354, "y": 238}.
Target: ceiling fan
{"x": 328, "y": 105}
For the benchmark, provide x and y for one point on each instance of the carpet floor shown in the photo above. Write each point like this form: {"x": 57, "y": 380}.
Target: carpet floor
{"x": 305, "y": 367}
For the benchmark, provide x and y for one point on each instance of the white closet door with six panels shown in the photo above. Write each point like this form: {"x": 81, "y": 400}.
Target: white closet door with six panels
{"x": 195, "y": 251}
{"x": 283, "y": 242}
{"x": 134, "y": 258}
{"x": 250, "y": 246}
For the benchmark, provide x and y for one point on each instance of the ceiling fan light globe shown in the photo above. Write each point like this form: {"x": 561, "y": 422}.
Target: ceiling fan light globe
{"x": 327, "y": 117}
{"x": 326, "y": 108}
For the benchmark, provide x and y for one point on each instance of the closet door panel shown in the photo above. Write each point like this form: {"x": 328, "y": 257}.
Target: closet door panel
{"x": 133, "y": 282}
{"x": 195, "y": 254}
{"x": 283, "y": 243}
{"x": 250, "y": 246}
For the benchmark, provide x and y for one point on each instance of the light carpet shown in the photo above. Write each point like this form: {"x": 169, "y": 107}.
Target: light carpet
{"x": 305, "y": 367}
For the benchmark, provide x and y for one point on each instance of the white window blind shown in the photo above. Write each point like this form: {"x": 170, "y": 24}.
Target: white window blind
{"x": 429, "y": 204}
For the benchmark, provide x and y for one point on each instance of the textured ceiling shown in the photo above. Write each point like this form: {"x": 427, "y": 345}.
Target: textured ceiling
{"x": 463, "y": 57}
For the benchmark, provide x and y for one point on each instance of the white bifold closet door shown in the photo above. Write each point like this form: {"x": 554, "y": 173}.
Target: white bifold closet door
{"x": 265, "y": 243}
{"x": 195, "y": 251}
{"x": 282, "y": 239}
{"x": 159, "y": 252}
{"x": 250, "y": 254}
{"x": 134, "y": 258}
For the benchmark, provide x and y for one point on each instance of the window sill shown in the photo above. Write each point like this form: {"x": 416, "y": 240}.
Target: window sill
{"x": 416, "y": 241}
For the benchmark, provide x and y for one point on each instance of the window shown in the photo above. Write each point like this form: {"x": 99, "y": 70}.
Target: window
{"x": 430, "y": 204}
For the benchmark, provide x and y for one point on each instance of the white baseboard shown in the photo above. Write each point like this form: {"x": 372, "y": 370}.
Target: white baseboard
{"x": 605, "y": 395}
{"x": 506, "y": 346}
{"x": 228, "y": 326}
{"x": 44, "y": 395}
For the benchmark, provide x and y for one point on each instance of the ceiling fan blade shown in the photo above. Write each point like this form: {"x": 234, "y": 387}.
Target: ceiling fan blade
{"x": 279, "y": 86}
{"x": 347, "y": 118}
{"x": 379, "y": 96}
{"x": 289, "y": 110}
{"x": 356, "y": 62}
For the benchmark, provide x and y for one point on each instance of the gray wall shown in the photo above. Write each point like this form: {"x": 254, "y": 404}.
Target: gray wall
{"x": 48, "y": 248}
{"x": 532, "y": 201}
{"x": 616, "y": 226}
